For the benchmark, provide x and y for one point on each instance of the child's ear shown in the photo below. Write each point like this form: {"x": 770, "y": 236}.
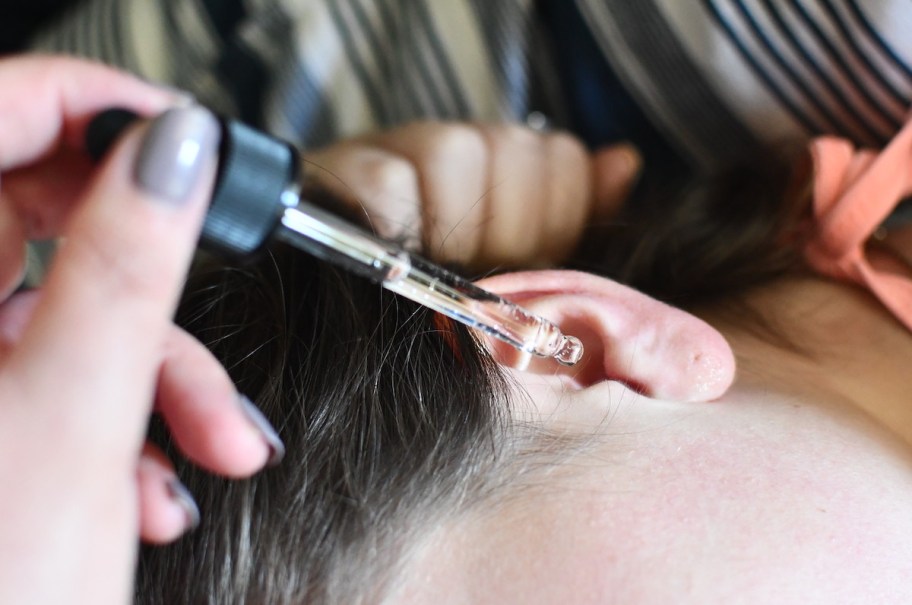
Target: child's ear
{"x": 661, "y": 351}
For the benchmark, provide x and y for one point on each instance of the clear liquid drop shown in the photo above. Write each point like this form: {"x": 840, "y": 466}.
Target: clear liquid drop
{"x": 570, "y": 351}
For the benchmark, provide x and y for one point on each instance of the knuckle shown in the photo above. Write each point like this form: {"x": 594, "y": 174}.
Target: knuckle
{"x": 385, "y": 174}
{"x": 509, "y": 139}
{"x": 386, "y": 188}
{"x": 454, "y": 142}
{"x": 563, "y": 146}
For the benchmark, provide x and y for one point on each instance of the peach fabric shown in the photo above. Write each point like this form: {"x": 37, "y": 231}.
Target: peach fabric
{"x": 854, "y": 192}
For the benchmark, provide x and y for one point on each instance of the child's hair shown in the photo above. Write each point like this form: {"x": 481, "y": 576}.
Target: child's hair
{"x": 711, "y": 242}
{"x": 393, "y": 418}
{"x": 717, "y": 237}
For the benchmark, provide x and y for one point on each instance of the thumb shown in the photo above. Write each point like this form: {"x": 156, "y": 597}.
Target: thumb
{"x": 95, "y": 342}
{"x": 615, "y": 172}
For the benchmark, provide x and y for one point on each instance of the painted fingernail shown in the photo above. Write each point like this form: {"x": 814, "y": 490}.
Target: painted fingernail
{"x": 175, "y": 151}
{"x": 181, "y": 496}
{"x": 262, "y": 425}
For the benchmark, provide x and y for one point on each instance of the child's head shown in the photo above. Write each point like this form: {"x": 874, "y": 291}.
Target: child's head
{"x": 399, "y": 425}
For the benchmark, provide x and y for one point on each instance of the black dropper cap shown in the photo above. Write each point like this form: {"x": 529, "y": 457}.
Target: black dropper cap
{"x": 255, "y": 171}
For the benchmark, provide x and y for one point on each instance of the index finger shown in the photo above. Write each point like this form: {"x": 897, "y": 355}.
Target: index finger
{"x": 47, "y": 101}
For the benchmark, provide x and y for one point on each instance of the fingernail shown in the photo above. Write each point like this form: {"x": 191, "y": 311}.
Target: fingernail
{"x": 262, "y": 425}
{"x": 181, "y": 496}
{"x": 174, "y": 153}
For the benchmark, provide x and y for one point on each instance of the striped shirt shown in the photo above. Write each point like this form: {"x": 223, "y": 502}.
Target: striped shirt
{"x": 705, "y": 80}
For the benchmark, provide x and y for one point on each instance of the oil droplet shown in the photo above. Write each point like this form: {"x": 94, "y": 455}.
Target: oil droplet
{"x": 570, "y": 351}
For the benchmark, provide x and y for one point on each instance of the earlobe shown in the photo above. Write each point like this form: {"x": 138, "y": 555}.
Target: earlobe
{"x": 656, "y": 349}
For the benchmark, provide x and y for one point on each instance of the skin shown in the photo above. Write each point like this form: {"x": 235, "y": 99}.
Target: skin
{"x": 794, "y": 486}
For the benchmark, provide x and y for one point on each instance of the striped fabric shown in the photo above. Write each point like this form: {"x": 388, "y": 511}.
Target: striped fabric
{"x": 715, "y": 77}
{"x": 315, "y": 70}
{"x": 717, "y": 74}
{"x": 825, "y": 62}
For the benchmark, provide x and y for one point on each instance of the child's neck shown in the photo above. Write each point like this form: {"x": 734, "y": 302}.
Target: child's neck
{"x": 852, "y": 348}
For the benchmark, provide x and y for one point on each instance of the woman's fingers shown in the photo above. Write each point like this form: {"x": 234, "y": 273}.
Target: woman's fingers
{"x": 77, "y": 388}
{"x": 43, "y": 195}
{"x": 99, "y": 331}
{"x": 166, "y": 509}
{"x": 212, "y": 424}
{"x": 43, "y": 163}
{"x": 63, "y": 95}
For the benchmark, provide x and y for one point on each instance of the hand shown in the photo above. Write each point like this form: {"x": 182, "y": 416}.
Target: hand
{"x": 83, "y": 359}
{"x": 482, "y": 195}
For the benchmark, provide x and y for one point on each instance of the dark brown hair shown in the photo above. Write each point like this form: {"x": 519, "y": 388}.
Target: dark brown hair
{"x": 708, "y": 244}
{"x": 387, "y": 421}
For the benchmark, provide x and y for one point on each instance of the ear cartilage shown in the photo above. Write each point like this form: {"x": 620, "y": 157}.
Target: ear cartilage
{"x": 257, "y": 198}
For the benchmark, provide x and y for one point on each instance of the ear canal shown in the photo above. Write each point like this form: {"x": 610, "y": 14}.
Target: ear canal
{"x": 652, "y": 347}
